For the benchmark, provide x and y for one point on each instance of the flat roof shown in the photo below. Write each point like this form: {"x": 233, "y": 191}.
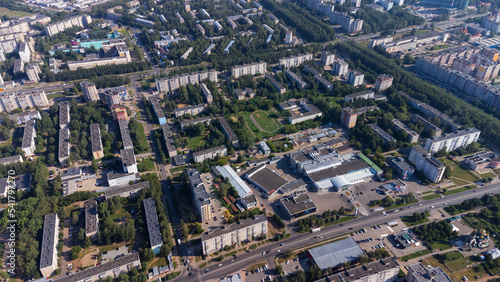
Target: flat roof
{"x": 228, "y": 130}
{"x": 243, "y": 223}
{"x": 339, "y": 170}
{"x": 11, "y": 159}
{"x": 28, "y": 135}
{"x": 456, "y": 134}
{"x": 336, "y": 253}
{"x": 382, "y": 133}
{"x": 266, "y": 178}
{"x": 114, "y": 191}
{"x": 91, "y": 217}
{"x": 50, "y": 230}
{"x": 95, "y": 136}
{"x": 100, "y": 269}
{"x": 197, "y": 186}
{"x": 297, "y": 203}
{"x": 195, "y": 121}
{"x": 401, "y": 164}
{"x": 182, "y": 110}
{"x": 152, "y": 220}
{"x": 236, "y": 181}
{"x": 64, "y": 116}
{"x": 403, "y": 126}
{"x": 125, "y": 133}
{"x": 421, "y": 273}
{"x": 361, "y": 94}
{"x": 209, "y": 151}
{"x": 128, "y": 157}
{"x": 111, "y": 176}
{"x": 64, "y": 146}
{"x": 167, "y": 137}
{"x": 156, "y": 107}
{"x": 357, "y": 273}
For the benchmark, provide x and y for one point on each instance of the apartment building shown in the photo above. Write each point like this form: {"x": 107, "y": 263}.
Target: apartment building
{"x": 423, "y": 161}
{"x": 211, "y": 153}
{"x": 33, "y": 72}
{"x": 23, "y": 117}
{"x": 118, "y": 179}
{"x": 249, "y": 69}
{"x": 228, "y": 131}
{"x": 28, "y": 146}
{"x": 18, "y": 66}
{"x": 340, "y": 67}
{"x": 80, "y": 20}
{"x": 427, "y": 125}
{"x": 14, "y": 26}
{"x": 89, "y": 91}
{"x": 327, "y": 58}
{"x": 91, "y": 219}
{"x": 96, "y": 140}
{"x": 50, "y": 238}
{"x": 64, "y": 116}
{"x": 412, "y": 135}
{"x": 129, "y": 162}
{"x": 355, "y": 78}
{"x": 368, "y": 94}
{"x": 169, "y": 141}
{"x": 121, "y": 56}
{"x": 11, "y": 160}
{"x": 294, "y": 61}
{"x": 192, "y": 110}
{"x": 160, "y": 114}
{"x": 382, "y": 133}
{"x": 246, "y": 230}
{"x": 206, "y": 93}
{"x": 452, "y": 141}
{"x": 127, "y": 191}
{"x": 348, "y": 23}
{"x": 295, "y": 78}
{"x": 23, "y": 99}
{"x": 173, "y": 83}
{"x": 205, "y": 120}
{"x": 24, "y": 52}
{"x": 277, "y": 85}
{"x": 119, "y": 112}
{"x": 64, "y": 146}
{"x": 349, "y": 117}
{"x": 383, "y": 82}
{"x": 201, "y": 199}
{"x": 125, "y": 133}
{"x": 155, "y": 238}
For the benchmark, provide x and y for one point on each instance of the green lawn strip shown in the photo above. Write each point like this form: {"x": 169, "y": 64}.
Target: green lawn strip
{"x": 427, "y": 192}
{"x": 458, "y": 190}
{"x": 440, "y": 245}
{"x": 459, "y": 172}
{"x": 458, "y": 264}
{"x": 459, "y": 182}
{"x": 430, "y": 197}
{"x": 488, "y": 174}
{"x": 12, "y": 13}
{"x": 401, "y": 205}
{"x": 231, "y": 254}
{"x": 118, "y": 214}
{"x": 179, "y": 168}
{"x": 147, "y": 164}
{"x": 410, "y": 223}
{"x": 415, "y": 255}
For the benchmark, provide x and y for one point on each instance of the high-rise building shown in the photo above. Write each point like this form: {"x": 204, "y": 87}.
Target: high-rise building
{"x": 50, "y": 238}
{"x": 294, "y": 61}
{"x": 340, "y": 67}
{"x": 173, "y": 83}
{"x": 24, "y": 52}
{"x": 201, "y": 198}
{"x": 355, "y": 78}
{"x": 432, "y": 168}
{"x": 89, "y": 91}
{"x": 327, "y": 58}
{"x": 383, "y": 82}
{"x": 460, "y": 4}
{"x": 349, "y": 117}
{"x": 33, "y": 71}
{"x": 452, "y": 141}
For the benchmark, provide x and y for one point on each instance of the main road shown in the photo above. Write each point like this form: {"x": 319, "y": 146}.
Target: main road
{"x": 302, "y": 240}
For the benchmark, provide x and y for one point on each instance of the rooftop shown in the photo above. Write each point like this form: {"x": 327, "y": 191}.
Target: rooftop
{"x": 209, "y": 151}
{"x": 95, "y": 136}
{"x": 297, "y": 203}
{"x": 243, "y": 223}
{"x": 361, "y": 94}
{"x": 91, "y": 217}
{"x": 50, "y": 230}
{"x": 358, "y": 273}
{"x": 342, "y": 169}
{"x": 228, "y": 130}
{"x": 382, "y": 133}
{"x": 188, "y": 108}
{"x": 64, "y": 143}
{"x": 153, "y": 225}
{"x": 114, "y": 191}
{"x": 236, "y": 181}
{"x": 403, "y": 127}
{"x": 197, "y": 186}
{"x": 29, "y": 134}
{"x": 266, "y": 178}
{"x": 11, "y": 160}
{"x": 421, "y": 274}
{"x": 456, "y": 134}
{"x": 156, "y": 107}
{"x": 167, "y": 137}
{"x": 125, "y": 133}
{"x": 400, "y": 162}
{"x": 195, "y": 120}
{"x": 336, "y": 253}
{"x": 64, "y": 113}
{"x": 128, "y": 157}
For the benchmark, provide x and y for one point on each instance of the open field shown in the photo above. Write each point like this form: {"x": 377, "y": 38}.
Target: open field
{"x": 195, "y": 142}
{"x": 12, "y": 13}
{"x": 457, "y": 171}
{"x": 265, "y": 121}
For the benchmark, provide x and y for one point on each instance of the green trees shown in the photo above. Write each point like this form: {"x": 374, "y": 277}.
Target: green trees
{"x": 279, "y": 269}
{"x": 435, "y": 231}
{"x": 100, "y": 71}
{"x": 75, "y": 252}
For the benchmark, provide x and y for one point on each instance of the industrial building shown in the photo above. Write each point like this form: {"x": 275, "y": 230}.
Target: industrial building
{"x": 246, "y": 230}
{"x": 127, "y": 191}
{"x": 155, "y": 238}
{"x": 300, "y": 110}
{"x": 404, "y": 170}
{"x": 169, "y": 84}
{"x": 129, "y": 162}
{"x": 89, "y": 91}
{"x": 187, "y": 122}
{"x": 228, "y": 131}
{"x": 412, "y": 135}
{"x": 91, "y": 219}
{"x": 28, "y": 145}
{"x": 228, "y": 172}
{"x": 192, "y": 110}
{"x": 201, "y": 199}
{"x": 335, "y": 254}
{"x": 210, "y": 153}
{"x": 160, "y": 115}
{"x": 294, "y": 61}
{"x": 50, "y": 238}
{"x": 249, "y": 69}
{"x": 297, "y": 204}
{"x": 95, "y": 137}
{"x": 265, "y": 180}
{"x": 452, "y": 141}
{"x": 430, "y": 166}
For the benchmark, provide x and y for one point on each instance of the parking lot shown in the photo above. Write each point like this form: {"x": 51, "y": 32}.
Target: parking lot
{"x": 113, "y": 254}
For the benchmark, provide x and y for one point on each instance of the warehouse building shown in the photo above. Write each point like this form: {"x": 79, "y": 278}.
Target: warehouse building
{"x": 228, "y": 172}
{"x": 335, "y": 254}
{"x": 297, "y": 204}
{"x": 265, "y": 180}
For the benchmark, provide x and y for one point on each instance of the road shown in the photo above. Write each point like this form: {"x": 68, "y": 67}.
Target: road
{"x": 301, "y": 240}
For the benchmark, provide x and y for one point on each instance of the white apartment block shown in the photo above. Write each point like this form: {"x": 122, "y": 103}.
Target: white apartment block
{"x": 231, "y": 235}
{"x": 383, "y": 82}
{"x": 24, "y": 52}
{"x": 452, "y": 141}
{"x": 89, "y": 91}
{"x": 327, "y": 58}
{"x": 430, "y": 166}
{"x": 64, "y": 146}
{"x": 355, "y": 78}
{"x": 80, "y": 20}
{"x": 201, "y": 198}
{"x": 28, "y": 145}
{"x": 23, "y": 99}
{"x": 13, "y": 26}
{"x": 50, "y": 238}
{"x": 206, "y": 93}
{"x": 173, "y": 83}
{"x": 340, "y": 67}
{"x": 294, "y": 61}
{"x": 33, "y": 71}
{"x": 249, "y": 69}
{"x": 211, "y": 153}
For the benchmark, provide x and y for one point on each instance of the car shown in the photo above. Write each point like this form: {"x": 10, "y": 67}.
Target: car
{"x": 287, "y": 262}
{"x": 282, "y": 244}
{"x": 432, "y": 207}
{"x": 474, "y": 191}
{"x": 263, "y": 253}
{"x": 219, "y": 265}
{"x": 278, "y": 251}
{"x": 232, "y": 260}
{"x": 207, "y": 270}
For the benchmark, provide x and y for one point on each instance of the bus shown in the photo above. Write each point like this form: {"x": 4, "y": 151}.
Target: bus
{"x": 315, "y": 230}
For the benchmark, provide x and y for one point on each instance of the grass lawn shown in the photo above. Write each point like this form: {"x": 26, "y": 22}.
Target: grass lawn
{"x": 253, "y": 127}
{"x": 488, "y": 174}
{"x": 456, "y": 276}
{"x": 12, "y": 13}
{"x": 459, "y": 182}
{"x": 430, "y": 197}
{"x": 265, "y": 121}
{"x": 179, "y": 168}
{"x": 416, "y": 255}
{"x": 124, "y": 32}
{"x": 461, "y": 189}
{"x": 118, "y": 214}
{"x": 146, "y": 165}
{"x": 406, "y": 220}
{"x": 459, "y": 172}
{"x": 197, "y": 141}
{"x": 158, "y": 262}
{"x": 256, "y": 266}
{"x": 458, "y": 264}
{"x": 141, "y": 138}
{"x": 441, "y": 245}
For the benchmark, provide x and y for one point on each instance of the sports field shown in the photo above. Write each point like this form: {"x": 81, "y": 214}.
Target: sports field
{"x": 264, "y": 121}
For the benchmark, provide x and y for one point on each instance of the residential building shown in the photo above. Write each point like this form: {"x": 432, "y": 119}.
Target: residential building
{"x": 28, "y": 145}
{"x": 386, "y": 4}
{"x": 160, "y": 114}
{"x": 278, "y": 86}
{"x": 99, "y": 272}
{"x": 129, "y": 162}
{"x": 265, "y": 180}
{"x": 117, "y": 179}
{"x": 80, "y": 20}
{"x": 228, "y": 131}
{"x": 404, "y": 169}
{"x": 295, "y": 78}
{"x": 297, "y": 204}
{"x": 349, "y": 117}
{"x": 206, "y": 93}
{"x": 33, "y": 72}
{"x": 18, "y": 66}
{"x": 119, "y": 112}
{"x": 412, "y": 135}
{"x": 11, "y": 160}
{"x": 22, "y": 183}
{"x": 246, "y": 230}
{"x": 64, "y": 116}
{"x": 410, "y": 42}
{"x": 173, "y": 83}
{"x": 24, "y": 52}
{"x": 144, "y": 22}
{"x": 294, "y": 61}
{"x": 428, "y": 125}
{"x": 452, "y": 141}
{"x": 228, "y": 172}
{"x": 201, "y": 199}
{"x": 249, "y": 69}
{"x": 208, "y": 51}
{"x": 91, "y": 219}
{"x": 186, "y": 54}
{"x": 205, "y": 120}
{"x": 169, "y": 141}
{"x": 327, "y": 58}
{"x": 383, "y": 82}
{"x": 382, "y": 133}
{"x": 323, "y": 82}
{"x": 211, "y": 153}
{"x": 126, "y": 191}
{"x": 300, "y": 111}
{"x": 368, "y": 94}
{"x": 430, "y": 166}
{"x": 155, "y": 238}
{"x": 89, "y": 91}
{"x": 23, "y": 117}
{"x": 483, "y": 159}
{"x": 96, "y": 140}
{"x": 418, "y": 272}
{"x": 112, "y": 97}
{"x": 340, "y": 67}
{"x": 335, "y": 254}
{"x": 348, "y": 23}
{"x": 243, "y": 93}
{"x": 125, "y": 134}
{"x": 50, "y": 238}
{"x": 355, "y": 78}
{"x": 385, "y": 270}
{"x": 179, "y": 17}
{"x": 119, "y": 55}
{"x": 265, "y": 149}
{"x": 192, "y": 110}
{"x": 23, "y": 99}
{"x": 64, "y": 146}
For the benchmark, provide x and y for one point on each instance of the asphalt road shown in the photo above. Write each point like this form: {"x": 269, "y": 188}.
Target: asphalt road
{"x": 301, "y": 240}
